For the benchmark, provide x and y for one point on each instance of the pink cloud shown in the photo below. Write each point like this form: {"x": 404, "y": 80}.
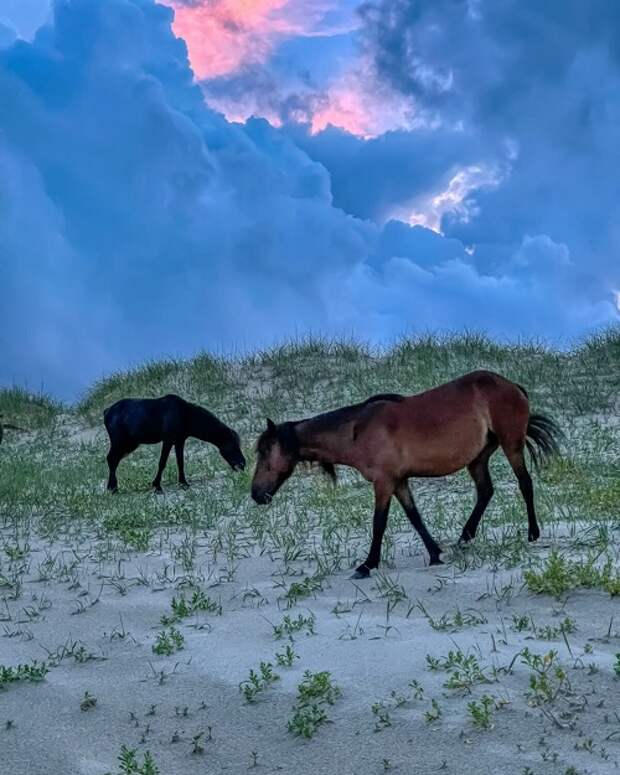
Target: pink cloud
{"x": 225, "y": 36}
{"x": 222, "y": 36}
{"x": 352, "y": 104}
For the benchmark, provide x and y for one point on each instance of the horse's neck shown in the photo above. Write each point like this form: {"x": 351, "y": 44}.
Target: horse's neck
{"x": 317, "y": 444}
{"x": 205, "y": 426}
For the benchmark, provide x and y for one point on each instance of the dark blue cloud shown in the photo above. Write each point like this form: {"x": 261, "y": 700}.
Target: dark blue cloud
{"x": 542, "y": 78}
{"x": 136, "y": 221}
{"x": 374, "y": 178}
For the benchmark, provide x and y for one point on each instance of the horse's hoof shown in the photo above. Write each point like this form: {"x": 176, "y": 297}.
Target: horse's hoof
{"x": 157, "y": 490}
{"x": 533, "y": 537}
{"x": 361, "y": 573}
{"x": 113, "y": 490}
{"x": 464, "y": 540}
{"x": 184, "y": 485}
{"x": 436, "y": 561}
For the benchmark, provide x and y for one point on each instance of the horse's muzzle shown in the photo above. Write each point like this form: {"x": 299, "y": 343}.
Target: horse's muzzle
{"x": 262, "y": 497}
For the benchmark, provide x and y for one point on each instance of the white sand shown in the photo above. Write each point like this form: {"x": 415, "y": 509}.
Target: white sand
{"x": 50, "y": 735}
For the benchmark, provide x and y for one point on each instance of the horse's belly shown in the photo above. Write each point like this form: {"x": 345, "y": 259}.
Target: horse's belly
{"x": 448, "y": 452}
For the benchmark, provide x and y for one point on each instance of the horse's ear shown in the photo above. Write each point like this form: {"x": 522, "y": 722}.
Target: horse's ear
{"x": 271, "y": 426}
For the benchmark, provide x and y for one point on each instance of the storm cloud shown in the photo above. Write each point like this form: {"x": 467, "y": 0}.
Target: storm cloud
{"x": 136, "y": 221}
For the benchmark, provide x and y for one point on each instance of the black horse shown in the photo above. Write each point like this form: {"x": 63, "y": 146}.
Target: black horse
{"x": 171, "y": 420}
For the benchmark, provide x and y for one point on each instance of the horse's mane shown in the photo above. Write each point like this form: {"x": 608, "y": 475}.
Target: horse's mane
{"x": 221, "y": 431}
{"x": 286, "y": 435}
{"x": 331, "y": 420}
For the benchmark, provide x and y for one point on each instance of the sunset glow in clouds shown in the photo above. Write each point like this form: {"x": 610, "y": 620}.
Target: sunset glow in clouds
{"x": 227, "y": 38}
{"x": 345, "y": 168}
{"x": 224, "y": 35}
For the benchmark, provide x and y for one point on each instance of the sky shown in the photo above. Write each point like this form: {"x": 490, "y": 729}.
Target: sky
{"x": 225, "y": 174}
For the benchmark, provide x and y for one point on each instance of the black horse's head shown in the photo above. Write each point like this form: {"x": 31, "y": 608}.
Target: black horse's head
{"x": 230, "y": 450}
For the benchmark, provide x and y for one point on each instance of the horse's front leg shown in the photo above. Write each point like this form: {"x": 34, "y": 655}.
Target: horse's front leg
{"x": 178, "y": 450}
{"x": 383, "y": 496}
{"x": 163, "y": 458}
{"x": 403, "y": 493}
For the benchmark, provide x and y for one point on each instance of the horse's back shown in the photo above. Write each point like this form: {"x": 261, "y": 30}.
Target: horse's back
{"x": 145, "y": 420}
{"x": 443, "y": 429}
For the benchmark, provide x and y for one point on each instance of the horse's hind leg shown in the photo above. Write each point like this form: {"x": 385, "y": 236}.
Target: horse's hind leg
{"x": 405, "y": 498}
{"x": 383, "y": 496}
{"x": 114, "y": 457}
{"x": 479, "y": 470}
{"x": 117, "y": 452}
{"x": 516, "y": 458}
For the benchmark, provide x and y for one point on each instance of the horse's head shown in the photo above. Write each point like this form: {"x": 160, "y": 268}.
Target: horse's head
{"x": 230, "y": 450}
{"x": 278, "y": 454}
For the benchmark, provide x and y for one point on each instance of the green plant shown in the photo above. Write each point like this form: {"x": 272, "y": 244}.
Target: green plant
{"x": 197, "y": 746}
{"x": 481, "y": 711}
{"x": 88, "y": 702}
{"x": 381, "y": 711}
{"x": 129, "y": 764}
{"x": 317, "y": 687}
{"x": 306, "y": 720}
{"x": 287, "y": 657}
{"x": 547, "y": 680}
{"x": 566, "y": 627}
{"x": 258, "y": 681}
{"x": 456, "y": 621}
{"x": 168, "y": 642}
{"x": 521, "y": 623}
{"x": 434, "y": 712}
{"x": 34, "y": 672}
{"x": 464, "y": 670}
{"x": 417, "y": 691}
{"x": 182, "y": 608}
{"x": 301, "y": 589}
{"x": 314, "y": 692}
{"x": 290, "y": 626}
{"x": 559, "y": 575}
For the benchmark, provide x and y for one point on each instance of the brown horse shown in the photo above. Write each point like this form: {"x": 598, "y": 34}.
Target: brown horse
{"x": 390, "y": 438}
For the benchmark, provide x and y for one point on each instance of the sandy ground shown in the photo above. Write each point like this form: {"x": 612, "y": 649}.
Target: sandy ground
{"x": 112, "y": 607}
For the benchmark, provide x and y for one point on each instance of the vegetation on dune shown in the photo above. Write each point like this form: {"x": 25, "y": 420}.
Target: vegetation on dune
{"x": 29, "y": 410}
{"x": 297, "y": 379}
{"x": 311, "y": 374}
{"x": 196, "y": 379}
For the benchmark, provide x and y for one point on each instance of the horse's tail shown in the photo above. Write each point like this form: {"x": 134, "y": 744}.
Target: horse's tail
{"x": 542, "y": 439}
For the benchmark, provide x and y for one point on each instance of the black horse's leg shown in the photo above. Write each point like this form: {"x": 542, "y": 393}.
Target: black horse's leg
{"x": 163, "y": 458}
{"x": 405, "y": 498}
{"x": 517, "y": 462}
{"x": 383, "y": 496}
{"x": 178, "y": 451}
{"x": 114, "y": 458}
{"x": 118, "y": 450}
{"x": 479, "y": 470}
